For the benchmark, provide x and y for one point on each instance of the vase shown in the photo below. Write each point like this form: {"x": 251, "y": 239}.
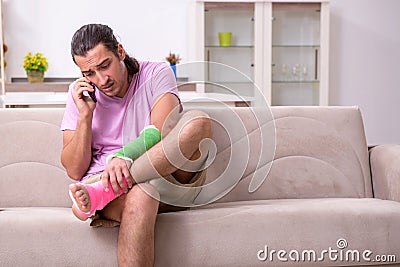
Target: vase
{"x": 173, "y": 66}
{"x": 225, "y": 38}
{"x": 35, "y": 76}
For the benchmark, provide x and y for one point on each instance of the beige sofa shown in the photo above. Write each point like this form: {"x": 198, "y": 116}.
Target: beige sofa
{"x": 326, "y": 199}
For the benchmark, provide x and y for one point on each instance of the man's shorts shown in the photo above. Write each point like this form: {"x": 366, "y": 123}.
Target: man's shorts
{"x": 174, "y": 198}
{"x": 166, "y": 192}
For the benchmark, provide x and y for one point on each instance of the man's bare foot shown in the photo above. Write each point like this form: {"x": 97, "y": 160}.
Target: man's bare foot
{"x": 81, "y": 196}
{"x": 78, "y": 214}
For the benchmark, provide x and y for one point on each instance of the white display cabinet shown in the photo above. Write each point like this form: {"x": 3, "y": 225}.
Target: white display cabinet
{"x": 2, "y": 72}
{"x": 297, "y": 75}
{"x": 278, "y": 50}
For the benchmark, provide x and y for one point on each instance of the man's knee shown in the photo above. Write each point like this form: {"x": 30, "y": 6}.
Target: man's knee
{"x": 142, "y": 199}
{"x": 197, "y": 121}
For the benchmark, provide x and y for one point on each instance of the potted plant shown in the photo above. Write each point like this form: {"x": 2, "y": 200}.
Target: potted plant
{"x": 173, "y": 59}
{"x": 35, "y": 66}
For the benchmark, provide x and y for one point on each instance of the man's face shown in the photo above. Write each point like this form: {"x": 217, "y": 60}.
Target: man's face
{"x": 105, "y": 70}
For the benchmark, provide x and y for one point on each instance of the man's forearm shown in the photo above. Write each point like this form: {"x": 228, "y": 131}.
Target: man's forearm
{"x": 134, "y": 149}
{"x": 77, "y": 154}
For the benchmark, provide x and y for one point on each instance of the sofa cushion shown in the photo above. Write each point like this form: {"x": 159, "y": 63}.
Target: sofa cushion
{"x": 220, "y": 234}
{"x": 53, "y": 237}
{"x": 232, "y": 234}
{"x": 31, "y": 173}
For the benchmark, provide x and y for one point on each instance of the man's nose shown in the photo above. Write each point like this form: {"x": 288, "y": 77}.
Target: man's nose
{"x": 101, "y": 78}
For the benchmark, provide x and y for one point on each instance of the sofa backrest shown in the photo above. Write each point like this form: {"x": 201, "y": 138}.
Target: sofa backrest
{"x": 31, "y": 173}
{"x": 320, "y": 152}
{"x": 293, "y": 152}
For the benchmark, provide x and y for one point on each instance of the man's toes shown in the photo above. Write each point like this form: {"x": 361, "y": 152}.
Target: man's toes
{"x": 83, "y": 200}
{"x": 79, "y": 193}
{"x": 73, "y": 188}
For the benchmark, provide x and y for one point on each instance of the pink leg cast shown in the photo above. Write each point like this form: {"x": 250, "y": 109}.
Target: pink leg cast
{"x": 97, "y": 196}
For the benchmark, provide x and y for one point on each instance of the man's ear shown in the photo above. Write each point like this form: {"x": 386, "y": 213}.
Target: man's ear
{"x": 121, "y": 52}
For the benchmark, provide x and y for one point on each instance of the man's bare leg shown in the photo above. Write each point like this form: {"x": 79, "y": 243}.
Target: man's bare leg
{"x": 136, "y": 234}
{"x": 136, "y": 210}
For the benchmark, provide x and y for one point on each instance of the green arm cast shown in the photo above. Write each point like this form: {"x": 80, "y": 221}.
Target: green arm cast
{"x": 147, "y": 138}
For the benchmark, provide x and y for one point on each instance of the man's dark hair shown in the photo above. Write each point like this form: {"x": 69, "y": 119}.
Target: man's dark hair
{"x": 90, "y": 35}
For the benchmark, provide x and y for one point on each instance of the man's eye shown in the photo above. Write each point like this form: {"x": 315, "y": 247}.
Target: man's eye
{"x": 104, "y": 67}
{"x": 89, "y": 74}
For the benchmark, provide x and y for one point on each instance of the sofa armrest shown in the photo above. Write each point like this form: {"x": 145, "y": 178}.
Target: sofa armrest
{"x": 385, "y": 171}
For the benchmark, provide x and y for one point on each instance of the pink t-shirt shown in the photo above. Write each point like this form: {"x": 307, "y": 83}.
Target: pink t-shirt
{"x": 117, "y": 121}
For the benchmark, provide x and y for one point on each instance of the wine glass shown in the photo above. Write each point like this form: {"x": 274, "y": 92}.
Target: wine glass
{"x": 304, "y": 72}
{"x": 284, "y": 70}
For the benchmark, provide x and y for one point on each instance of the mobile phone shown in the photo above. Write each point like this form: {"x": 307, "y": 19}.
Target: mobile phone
{"x": 92, "y": 94}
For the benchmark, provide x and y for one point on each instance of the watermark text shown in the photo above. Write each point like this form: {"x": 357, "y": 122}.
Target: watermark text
{"x": 338, "y": 253}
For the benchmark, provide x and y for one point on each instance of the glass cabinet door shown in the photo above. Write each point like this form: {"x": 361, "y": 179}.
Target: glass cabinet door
{"x": 229, "y": 62}
{"x": 278, "y": 51}
{"x": 296, "y": 46}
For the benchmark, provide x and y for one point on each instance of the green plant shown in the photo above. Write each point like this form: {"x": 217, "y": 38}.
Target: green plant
{"x": 35, "y": 62}
{"x": 173, "y": 59}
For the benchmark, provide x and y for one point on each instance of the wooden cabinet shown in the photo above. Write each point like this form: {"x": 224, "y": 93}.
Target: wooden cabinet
{"x": 278, "y": 50}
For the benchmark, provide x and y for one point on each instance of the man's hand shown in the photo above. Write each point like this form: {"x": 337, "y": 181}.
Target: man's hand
{"x": 83, "y": 102}
{"x": 115, "y": 172}
{"x": 77, "y": 152}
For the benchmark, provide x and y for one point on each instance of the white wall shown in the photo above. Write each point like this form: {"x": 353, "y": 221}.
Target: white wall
{"x": 365, "y": 63}
{"x": 147, "y": 29}
{"x": 364, "y": 50}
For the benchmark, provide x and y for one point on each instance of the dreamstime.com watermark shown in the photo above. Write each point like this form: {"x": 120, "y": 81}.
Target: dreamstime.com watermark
{"x": 340, "y": 253}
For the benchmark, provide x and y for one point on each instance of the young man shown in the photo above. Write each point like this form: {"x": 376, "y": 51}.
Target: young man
{"x": 131, "y": 95}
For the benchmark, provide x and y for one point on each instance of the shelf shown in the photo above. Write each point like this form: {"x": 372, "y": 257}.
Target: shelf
{"x": 232, "y": 46}
{"x": 297, "y": 6}
{"x": 37, "y": 87}
{"x": 227, "y": 82}
{"x": 291, "y": 82}
{"x": 209, "y": 6}
{"x": 211, "y": 97}
{"x": 295, "y": 46}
